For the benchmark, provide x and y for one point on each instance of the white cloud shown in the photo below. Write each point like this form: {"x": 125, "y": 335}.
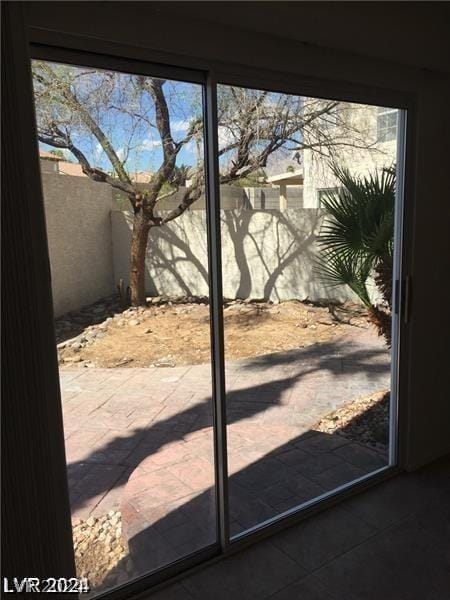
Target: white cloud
{"x": 225, "y": 136}
{"x": 190, "y": 147}
{"x": 179, "y": 126}
{"x": 97, "y": 152}
{"x": 149, "y": 144}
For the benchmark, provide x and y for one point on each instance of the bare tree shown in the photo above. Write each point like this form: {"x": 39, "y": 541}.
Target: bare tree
{"x": 79, "y": 109}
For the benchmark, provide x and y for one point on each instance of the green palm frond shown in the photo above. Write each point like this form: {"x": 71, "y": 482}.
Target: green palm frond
{"x": 360, "y": 215}
{"x": 337, "y": 268}
{"x": 356, "y": 238}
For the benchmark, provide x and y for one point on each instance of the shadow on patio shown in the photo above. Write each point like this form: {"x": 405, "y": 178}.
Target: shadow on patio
{"x": 295, "y": 472}
{"x": 286, "y": 393}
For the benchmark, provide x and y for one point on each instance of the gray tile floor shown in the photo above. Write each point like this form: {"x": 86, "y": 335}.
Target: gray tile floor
{"x": 390, "y": 543}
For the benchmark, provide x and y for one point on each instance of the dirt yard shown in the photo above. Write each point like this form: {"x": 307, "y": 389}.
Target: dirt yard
{"x": 173, "y": 334}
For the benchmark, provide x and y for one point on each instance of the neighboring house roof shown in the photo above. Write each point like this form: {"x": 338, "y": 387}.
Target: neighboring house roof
{"x": 48, "y": 156}
{"x": 74, "y": 169}
{"x": 141, "y": 176}
{"x": 288, "y": 178}
{"x": 67, "y": 168}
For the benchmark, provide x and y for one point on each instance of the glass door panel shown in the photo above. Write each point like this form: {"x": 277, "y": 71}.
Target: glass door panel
{"x": 121, "y": 157}
{"x": 307, "y": 201}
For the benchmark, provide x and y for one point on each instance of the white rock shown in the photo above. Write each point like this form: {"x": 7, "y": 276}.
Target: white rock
{"x": 73, "y": 359}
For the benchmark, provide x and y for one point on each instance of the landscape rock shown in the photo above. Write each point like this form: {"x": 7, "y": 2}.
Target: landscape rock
{"x": 73, "y": 359}
{"x": 101, "y": 552}
{"x": 363, "y": 420}
{"x": 182, "y": 313}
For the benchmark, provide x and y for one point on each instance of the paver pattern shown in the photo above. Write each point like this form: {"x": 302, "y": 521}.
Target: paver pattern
{"x": 141, "y": 440}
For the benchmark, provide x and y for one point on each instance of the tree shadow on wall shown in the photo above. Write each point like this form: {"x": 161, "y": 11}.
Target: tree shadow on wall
{"x": 266, "y": 254}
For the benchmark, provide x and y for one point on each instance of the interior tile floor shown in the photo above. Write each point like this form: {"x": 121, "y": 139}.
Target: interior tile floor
{"x": 391, "y": 542}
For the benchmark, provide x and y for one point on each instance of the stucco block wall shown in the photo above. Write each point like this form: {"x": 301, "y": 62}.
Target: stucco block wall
{"x": 269, "y": 198}
{"x": 230, "y": 197}
{"x": 265, "y": 254}
{"x": 77, "y": 212}
{"x": 89, "y": 245}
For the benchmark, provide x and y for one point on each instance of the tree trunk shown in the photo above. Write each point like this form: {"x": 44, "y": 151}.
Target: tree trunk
{"x": 383, "y": 322}
{"x": 383, "y": 279}
{"x": 141, "y": 227}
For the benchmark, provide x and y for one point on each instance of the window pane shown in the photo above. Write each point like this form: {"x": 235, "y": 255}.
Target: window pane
{"x": 387, "y": 125}
{"x": 307, "y": 371}
{"x": 122, "y": 162}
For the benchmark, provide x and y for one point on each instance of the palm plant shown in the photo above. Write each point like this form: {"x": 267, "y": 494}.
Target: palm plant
{"x": 356, "y": 240}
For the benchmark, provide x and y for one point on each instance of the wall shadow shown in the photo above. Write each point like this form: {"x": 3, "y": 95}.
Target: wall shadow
{"x": 266, "y": 254}
{"x": 295, "y": 472}
{"x": 128, "y": 452}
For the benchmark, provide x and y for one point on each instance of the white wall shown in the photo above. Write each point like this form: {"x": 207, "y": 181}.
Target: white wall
{"x": 365, "y": 158}
{"x": 266, "y": 254}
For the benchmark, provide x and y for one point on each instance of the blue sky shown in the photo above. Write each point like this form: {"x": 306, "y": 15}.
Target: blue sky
{"x": 126, "y": 114}
{"x": 112, "y": 100}
{"x": 115, "y": 106}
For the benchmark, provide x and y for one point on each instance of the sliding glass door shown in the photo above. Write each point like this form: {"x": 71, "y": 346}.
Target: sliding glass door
{"x": 225, "y": 267}
{"x": 308, "y": 204}
{"x": 122, "y": 165}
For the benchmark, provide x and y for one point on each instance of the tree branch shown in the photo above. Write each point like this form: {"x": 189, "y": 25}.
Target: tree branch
{"x": 87, "y": 119}
{"x": 190, "y": 196}
{"x": 93, "y": 173}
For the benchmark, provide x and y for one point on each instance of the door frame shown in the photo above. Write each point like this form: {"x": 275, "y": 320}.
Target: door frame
{"x": 58, "y": 47}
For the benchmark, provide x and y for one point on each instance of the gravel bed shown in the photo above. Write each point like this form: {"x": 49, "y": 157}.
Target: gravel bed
{"x": 101, "y": 553}
{"x": 365, "y": 420}
{"x": 297, "y": 324}
{"x": 79, "y": 329}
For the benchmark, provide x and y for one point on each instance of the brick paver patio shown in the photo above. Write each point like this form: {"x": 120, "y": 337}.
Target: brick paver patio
{"x": 141, "y": 440}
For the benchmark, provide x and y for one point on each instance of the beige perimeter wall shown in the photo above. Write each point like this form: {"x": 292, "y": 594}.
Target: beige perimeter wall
{"x": 265, "y": 254}
{"x": 78, "y": 217}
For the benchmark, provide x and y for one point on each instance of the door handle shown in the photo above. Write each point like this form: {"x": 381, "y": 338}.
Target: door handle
{"x": 406, "y": 304}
